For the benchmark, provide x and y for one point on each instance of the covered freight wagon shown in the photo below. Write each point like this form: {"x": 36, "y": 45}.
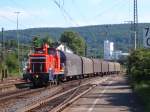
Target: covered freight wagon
{"x": 87, "y": 65}
{"x": 117, "y": 67}
{"x": 97, "y": 66}
{"x": 111, "y": 67}
{"x": 73, "y": 64}
{"x": 105, "y": 67}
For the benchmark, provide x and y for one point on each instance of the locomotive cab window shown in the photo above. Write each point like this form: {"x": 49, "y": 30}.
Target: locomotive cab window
{"x": 51, "y": 51}
{"x": 39, "y": 50}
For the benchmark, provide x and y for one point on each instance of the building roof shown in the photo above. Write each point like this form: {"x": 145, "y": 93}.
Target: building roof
{"x": 58, "y": 44}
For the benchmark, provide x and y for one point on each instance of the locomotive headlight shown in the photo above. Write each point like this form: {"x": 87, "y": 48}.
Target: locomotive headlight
{"x": 62, "y": 70}
{"x": 36, "y": 76}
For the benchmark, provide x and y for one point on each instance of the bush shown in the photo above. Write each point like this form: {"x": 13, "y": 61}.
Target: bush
{"x": 139, "y": 70}
{"x": 136, "y": 75}
{"x": 139, "y": 65}
{"x": 12, "y": 62}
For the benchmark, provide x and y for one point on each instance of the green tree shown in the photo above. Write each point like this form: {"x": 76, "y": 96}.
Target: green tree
{"x": 48, "y": 39}
{"x": 37, "y": 41}
{"x": 74, "y": 41}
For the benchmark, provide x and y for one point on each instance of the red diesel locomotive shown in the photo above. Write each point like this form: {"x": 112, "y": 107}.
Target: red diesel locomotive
{"x": 42, "y": 63}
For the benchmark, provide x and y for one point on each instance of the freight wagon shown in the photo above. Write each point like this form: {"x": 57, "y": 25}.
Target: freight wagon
{"x": 49, "y": 64}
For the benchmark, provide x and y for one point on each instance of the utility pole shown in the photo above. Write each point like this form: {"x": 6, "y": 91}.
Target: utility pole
{"x": 135, "y": 24}
{"x": 131, "y": 34}
{"x": 17, "y": 13}
{"x": 107, "y": 32}
{"x": 2, "y": 44}
{"x": 3, "y": 47}
{"x": 85, "y": 50}
{"x": 2, "y": 56}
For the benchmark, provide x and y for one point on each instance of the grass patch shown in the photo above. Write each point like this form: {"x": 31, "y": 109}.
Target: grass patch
{"x": 15, "y": 74}
{"x": 143, "y": 90}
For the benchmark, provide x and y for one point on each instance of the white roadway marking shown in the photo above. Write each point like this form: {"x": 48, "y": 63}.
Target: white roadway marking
{"x": 96, "y": 100}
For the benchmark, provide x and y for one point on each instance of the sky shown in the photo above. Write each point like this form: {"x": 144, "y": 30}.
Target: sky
{"x": 69, "y": 13}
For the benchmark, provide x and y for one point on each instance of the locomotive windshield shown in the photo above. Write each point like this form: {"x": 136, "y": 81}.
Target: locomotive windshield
{"x": 39, "y": 51}
{"x": 37, "y": 64}
{"x": 51, "y": 51}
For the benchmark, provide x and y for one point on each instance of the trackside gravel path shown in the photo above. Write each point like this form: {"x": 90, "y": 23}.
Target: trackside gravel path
{"x": 114, "y": 95}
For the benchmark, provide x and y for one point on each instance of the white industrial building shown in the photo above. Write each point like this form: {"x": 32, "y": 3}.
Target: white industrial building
{"x": 117, "y": 55}
{"x": 108, "y": 50}
{"x": 64, "y": 48}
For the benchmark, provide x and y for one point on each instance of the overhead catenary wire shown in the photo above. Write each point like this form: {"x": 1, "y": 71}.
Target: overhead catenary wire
{"x": 90, "y": 33}
{"x": 10, "y": 20}
{"x": 58, "y": 5}
{"x": 70, "y": 18}
{"x": 14, "y": 22}
{"x": 6, "y": 18}
{"x": 19, "y": 31}
{"x": 65, "y": 12}
{"x": 117, "y": 3}
{"x": 24, "y": 9}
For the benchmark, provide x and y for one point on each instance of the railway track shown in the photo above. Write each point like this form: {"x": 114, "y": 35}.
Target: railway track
{"x": 20, "y": 92}
{"x": 52, "y": 102}
{"x": 9, "y": 80}
{"x": 76, "y": 96}
{"x": 61, "y": 100}
{"x": 12, "y": 86}
{"x": 13, "y": 102}
{"x": 24, "y": 100}
{"x": 16, "y": 94}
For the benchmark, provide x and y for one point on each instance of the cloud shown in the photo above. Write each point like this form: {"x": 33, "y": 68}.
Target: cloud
{"x": 9, "y": 12}
{"x": 26, "y": 19}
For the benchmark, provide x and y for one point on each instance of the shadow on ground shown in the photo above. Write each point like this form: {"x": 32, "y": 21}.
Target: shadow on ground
{"x": 118, "y": 95}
